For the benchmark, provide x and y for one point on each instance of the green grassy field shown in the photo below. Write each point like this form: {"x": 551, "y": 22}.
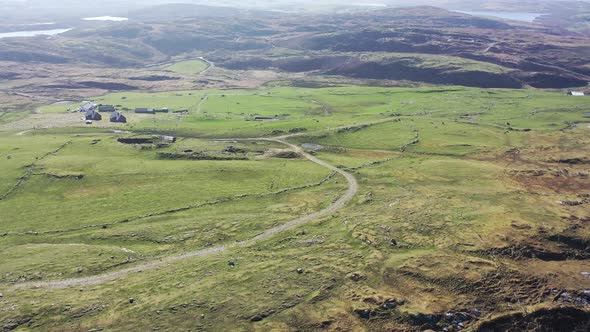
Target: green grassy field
{"x": 189, "y": 67}
{"x": 453, "y": 183}
{"x": 230, "y": 113}
{"x": 97, "y": 184}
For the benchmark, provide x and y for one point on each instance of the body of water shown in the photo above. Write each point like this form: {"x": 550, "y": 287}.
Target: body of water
{"x": 31, "y": 33}
{"x": 106, "y": 18}
{"x": 370, "y": 4}
{"x": 523, "y": 17}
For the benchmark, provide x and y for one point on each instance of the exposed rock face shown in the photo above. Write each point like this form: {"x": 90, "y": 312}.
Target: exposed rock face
{"x": 557, "y": 319}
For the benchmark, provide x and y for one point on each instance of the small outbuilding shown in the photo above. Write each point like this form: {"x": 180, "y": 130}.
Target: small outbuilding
{"x": 93, "y": 115}
{"x": 142, "y": 110}
{"x": 168, "y": 139}
{"x": 87, "y": 107}
{"x": 118, "y": 117}
{"x": 576, "y": 93}
{"x": 106, "y": 108}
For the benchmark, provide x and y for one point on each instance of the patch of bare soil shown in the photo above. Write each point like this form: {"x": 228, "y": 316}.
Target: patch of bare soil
{"x": 57, "y": 120}
{"x": 561, "y": 180}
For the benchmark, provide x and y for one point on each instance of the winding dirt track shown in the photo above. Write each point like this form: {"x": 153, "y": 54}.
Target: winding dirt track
{"x": 335, "y": 206}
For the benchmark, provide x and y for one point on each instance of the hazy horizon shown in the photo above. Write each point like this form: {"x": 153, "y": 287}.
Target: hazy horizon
{"x": 19, "y": 12}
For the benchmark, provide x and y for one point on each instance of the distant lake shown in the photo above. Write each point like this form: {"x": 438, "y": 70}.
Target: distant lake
{"x": 523, "y": 17}
{"x": 106, "y": 18}
{"x": 370, "y": 4}
{"x": 31, "y": 33}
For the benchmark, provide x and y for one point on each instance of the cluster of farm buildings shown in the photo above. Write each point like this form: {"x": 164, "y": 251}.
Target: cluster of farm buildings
{"x": 93, "y": 112}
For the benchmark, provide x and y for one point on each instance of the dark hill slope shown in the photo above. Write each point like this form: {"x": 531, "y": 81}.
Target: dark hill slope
{"x": 241, "y": 39}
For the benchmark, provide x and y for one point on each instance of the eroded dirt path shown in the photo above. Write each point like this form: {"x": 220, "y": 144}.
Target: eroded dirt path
{"x": 21, "y": 133}
{"x": 332, "y": 208}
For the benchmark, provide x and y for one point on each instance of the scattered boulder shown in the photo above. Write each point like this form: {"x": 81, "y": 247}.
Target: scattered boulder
{"x": 66, "y": 176}
{"x": 364, "y": 313}
{"x": 233, "y": 149}
{"x": 135, "y": 140}
{"x": 287, "y": 155}
{"x": 131, "y": 300}
{"x": 300, "y": 270}
{"x": 256, "y": 318}
{"x": 381, "y": 310}
{"x": 421, "y": 319}
{"x": 573, "y": 161}
{"x": 231, "y": 263}
{"x": 450, "y": 321}
{"x": 261, "y": 316}
{"x": 571, "y": 203}
{"x": 297, "y": 130}
{"x": 356, "y": 277}
{"x": 575, "y": 297}
{"x": 196, "y": 156}
{"x": 545, "y": 319}
{"x": 351, "y": 129}
{"x": 368, "y": 198}
{"x": 390, "y": 304}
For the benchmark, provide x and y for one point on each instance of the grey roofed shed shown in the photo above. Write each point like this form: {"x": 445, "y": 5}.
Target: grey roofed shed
{"x": 106, "y": 108}
{"x": 93, "y": 115}
{"x": 87, "y": 107}
{"x": 118, "y": 117}
{"x": 142, "y": 110}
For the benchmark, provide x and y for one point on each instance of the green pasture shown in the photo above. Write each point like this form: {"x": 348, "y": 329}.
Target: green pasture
{"x": 189, "y": 67}
{"x": 231, "y": 113}
{"x": 417, "y": 229}
{"x": 121, "y": 182}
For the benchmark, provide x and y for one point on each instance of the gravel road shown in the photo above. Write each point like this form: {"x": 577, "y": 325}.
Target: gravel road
{"x": 156, "y": 264}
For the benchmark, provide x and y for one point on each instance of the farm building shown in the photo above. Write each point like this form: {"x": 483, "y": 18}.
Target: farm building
{"x": 163, "y": 110}
{"x": 118, "y": 117}
{"x": 182, "y": 112}
{"x": 142, "y": 110}
{"x": 106, "y": 108}
{"x": 93, "y": 115}
{"x": 87, "y": 107}
{"x": 576, "y": 93}
{"x": 169, "y": 139}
